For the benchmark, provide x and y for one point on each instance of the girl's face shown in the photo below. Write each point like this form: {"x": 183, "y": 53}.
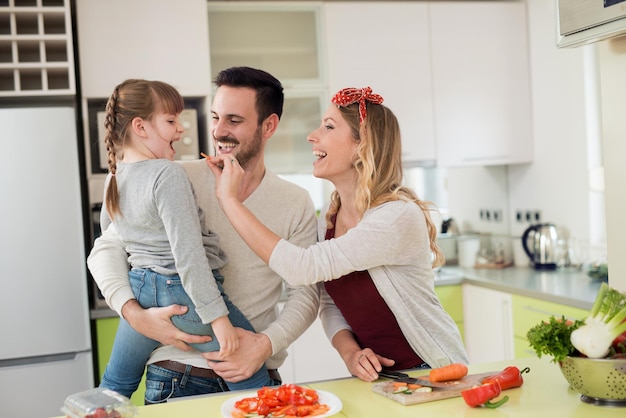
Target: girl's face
{"x": 334, "y": 147}
{"x": 162, "y": 131}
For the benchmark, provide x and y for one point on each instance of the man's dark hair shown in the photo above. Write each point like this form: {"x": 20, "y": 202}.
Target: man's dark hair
{"x": 269, "y": 91}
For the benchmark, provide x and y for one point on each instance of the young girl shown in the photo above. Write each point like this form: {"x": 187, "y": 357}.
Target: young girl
{"x": 174, "y": 258}
{"x": 373, "y": 261}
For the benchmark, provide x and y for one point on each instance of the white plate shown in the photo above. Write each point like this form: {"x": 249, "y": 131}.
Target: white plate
{"x": 333, "y": 402}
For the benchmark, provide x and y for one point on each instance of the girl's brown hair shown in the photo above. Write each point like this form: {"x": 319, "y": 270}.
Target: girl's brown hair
{"x": 132, "y": 99}
{"x": 378, "y": 163}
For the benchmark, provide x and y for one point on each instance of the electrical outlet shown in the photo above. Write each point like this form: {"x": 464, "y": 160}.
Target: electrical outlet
{"x": 497, "y": 215}
{"x": 537, "y": 216}
{"x": 519, "y": 216}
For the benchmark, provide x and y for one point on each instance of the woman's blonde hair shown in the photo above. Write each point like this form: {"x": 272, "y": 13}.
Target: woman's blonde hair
{"x": 131, "y": 99}
{"x": 378, "y": 162}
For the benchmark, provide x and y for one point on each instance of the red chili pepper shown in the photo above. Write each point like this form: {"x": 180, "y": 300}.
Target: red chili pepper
{"x": 511, "y": 377}
{"x": 482, "y": 395}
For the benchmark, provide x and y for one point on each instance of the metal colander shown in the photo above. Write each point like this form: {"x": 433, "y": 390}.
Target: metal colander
{"x": 599, "y": 381}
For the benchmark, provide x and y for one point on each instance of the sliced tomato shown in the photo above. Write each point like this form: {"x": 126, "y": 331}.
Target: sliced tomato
{"x": 287, "y": 400}
{"x": 247, "y": 404}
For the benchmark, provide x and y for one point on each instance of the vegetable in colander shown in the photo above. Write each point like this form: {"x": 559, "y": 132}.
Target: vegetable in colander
{"x": 605, "y": 323}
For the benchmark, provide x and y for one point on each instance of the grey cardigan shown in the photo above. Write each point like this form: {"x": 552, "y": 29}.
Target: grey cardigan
{"x": 392, "y": 243}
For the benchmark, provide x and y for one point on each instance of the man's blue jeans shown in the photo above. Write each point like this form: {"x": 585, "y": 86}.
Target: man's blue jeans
{"x": 163, "y": 384}
{"x": 131, "y": 350}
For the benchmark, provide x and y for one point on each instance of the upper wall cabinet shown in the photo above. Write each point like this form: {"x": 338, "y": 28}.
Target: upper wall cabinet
{"x": 36, "y": 48}
{"x": 156, "y": 40}
{"x": 280, "y": 38}
{"x": 385, "y": 45}
{"x": 481, "y": 83}
{"x": 456, "y": 74}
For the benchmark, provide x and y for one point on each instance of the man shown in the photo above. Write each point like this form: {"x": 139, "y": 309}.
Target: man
{"x": 245, "y": 113}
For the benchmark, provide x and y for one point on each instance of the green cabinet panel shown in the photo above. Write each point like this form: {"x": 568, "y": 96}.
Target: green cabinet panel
{"x": 528, "y": 312}
{"x": 105, "y": 333}
{"x": 451, "y": 298}
{"x": 521, "y": 348}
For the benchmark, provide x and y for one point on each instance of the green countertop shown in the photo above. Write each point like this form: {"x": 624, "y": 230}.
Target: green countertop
{"x": 545, "y": 393}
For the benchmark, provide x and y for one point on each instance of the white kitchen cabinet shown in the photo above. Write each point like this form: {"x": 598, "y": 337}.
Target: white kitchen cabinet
{"x": 312, "y": 357}
{"x": 488, "y": 324}
{"x": 36, "y": 48}
{"x": 288, "y": 151}
{"x": 385, "y": 45}
{"x": 481, "y": 85}
{"x": 150, "y": 39}
{"x": 282, "y": 38}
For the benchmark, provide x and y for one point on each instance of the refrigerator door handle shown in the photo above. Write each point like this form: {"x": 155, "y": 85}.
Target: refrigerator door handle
{"x": 49, "y": 358}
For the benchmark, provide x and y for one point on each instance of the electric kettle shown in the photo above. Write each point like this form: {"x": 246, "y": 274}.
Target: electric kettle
{"x": 540, "y": 243}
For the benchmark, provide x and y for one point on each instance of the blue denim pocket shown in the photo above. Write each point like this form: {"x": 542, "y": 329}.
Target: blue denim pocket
{"x": 171, "y": 292}
{"x": 163, "y": 384}
{"x": 158, "y": 391}
{"x": 137, "y": 278}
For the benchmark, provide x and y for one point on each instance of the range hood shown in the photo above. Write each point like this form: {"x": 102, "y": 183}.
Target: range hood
{"x": 581, "y": 22}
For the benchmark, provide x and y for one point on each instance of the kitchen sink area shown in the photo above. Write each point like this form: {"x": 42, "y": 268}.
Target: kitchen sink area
{"x": 448, "y": 275}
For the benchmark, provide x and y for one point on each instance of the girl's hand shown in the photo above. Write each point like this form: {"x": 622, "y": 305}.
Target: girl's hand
{"x": 226, "y": 335}
{"x": 228, "y": 174}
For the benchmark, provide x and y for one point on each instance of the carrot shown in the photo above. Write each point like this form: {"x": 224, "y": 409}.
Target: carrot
{"x": 411, "y": 386}
{"x": 453, "y": 371}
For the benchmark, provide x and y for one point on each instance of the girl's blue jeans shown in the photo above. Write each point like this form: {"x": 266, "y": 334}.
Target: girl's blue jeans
{"x": 131, "y": 350}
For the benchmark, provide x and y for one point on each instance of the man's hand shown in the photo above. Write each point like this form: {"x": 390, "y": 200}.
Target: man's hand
{"x": 253, "y": 350}
{"x": 155, "y": 323}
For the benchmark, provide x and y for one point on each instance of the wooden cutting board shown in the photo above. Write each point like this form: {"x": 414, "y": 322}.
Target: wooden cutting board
{"x": 453, "y": 391}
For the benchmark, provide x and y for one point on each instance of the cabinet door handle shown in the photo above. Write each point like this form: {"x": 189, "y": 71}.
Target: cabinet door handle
{"x": 508, "y": 333}
{"x": 503, "y": 157}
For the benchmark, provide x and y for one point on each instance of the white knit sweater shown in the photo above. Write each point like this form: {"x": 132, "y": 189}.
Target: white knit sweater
{"x": 392, "y": 243}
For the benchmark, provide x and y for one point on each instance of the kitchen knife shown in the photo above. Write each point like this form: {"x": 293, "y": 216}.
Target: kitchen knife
{"x": 405, "y": 378}
{"x": 398, "y": 376}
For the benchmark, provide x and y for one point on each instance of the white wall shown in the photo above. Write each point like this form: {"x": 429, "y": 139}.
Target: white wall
{"x": 612, "y": 57}
{"x": 474, "y": 188}
{"x": 556, "y": 183}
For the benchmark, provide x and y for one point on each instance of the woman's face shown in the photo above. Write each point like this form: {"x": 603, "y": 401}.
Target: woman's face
{"x": 334, "y": 147}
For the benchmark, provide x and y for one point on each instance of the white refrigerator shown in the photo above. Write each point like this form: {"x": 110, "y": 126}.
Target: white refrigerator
{"x": 45, "y": 343}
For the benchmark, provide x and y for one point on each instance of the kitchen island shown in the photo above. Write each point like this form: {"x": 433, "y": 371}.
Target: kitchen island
{"x": 545, "y": 393}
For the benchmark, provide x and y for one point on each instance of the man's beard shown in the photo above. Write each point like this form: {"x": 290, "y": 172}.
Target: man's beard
{"x": 251, "y": 150}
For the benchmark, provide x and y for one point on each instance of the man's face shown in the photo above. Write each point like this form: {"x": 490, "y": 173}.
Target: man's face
{"x": 234, "y": 123}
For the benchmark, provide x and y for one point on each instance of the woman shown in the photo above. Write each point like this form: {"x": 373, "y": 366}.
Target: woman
{"x": 374, "y": 259}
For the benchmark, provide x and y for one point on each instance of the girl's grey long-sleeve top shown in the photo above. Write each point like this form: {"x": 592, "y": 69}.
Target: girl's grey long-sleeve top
{"x": 164, "y": 230}
{"x": 392, "y": 243}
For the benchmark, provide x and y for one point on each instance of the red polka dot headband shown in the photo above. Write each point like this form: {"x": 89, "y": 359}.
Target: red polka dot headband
{"x": 346, "y": 97}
